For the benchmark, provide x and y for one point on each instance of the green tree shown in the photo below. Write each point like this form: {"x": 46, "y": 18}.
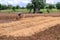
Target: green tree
{"x": 29, "y": 7}
{"x": 51, "y": 6}
{"x": 38, "y": 4}
{"x": 0, "y": 6}
{"x": 13, "y": 8}
{"x": 10, "y": 6}
{"x": 17, "y": 7}
{"x": 58, "y": 5}
{"x": 4, "y": 7}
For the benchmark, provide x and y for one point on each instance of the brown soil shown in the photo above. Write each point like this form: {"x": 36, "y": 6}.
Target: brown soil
{"x": 32, "y": 27}
{"x": 52, "y": 33}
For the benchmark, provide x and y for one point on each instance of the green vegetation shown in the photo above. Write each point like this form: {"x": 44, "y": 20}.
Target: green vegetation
{"x": 16, "y": 10}
{"x": 58, "y": 5}
{"x": 36, "y": 6}
{"x": 29, "y": 7}
{"x": 25, "y": 10}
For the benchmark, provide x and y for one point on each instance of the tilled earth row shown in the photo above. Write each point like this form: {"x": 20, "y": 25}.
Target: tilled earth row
{"x": 29, "y": 28}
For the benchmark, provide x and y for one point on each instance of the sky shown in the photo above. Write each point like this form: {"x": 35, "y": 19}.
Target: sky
{"x": 23, "y": 2}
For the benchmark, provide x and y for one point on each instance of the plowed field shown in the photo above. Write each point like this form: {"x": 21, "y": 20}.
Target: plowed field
{"x": 31, "y": 28}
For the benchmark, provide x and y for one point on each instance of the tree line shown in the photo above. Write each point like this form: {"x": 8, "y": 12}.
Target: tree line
{"x": 4, "y": 7}
{"x": 35, "y": 5}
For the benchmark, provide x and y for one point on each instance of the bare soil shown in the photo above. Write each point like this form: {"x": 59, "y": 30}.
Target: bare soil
{"x": 30, "y": 27}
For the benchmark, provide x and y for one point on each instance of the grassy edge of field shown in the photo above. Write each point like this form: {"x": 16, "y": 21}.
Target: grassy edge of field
{"x": 26, "y": 11}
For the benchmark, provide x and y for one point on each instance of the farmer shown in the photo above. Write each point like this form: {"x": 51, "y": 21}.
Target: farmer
{"x": 20, "y": 15}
